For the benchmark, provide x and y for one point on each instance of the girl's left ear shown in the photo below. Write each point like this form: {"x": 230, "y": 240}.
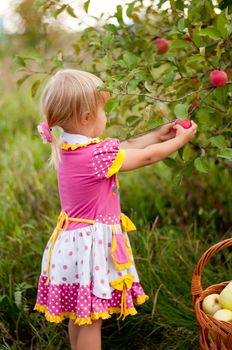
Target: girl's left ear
{"x": 85, "y": 118}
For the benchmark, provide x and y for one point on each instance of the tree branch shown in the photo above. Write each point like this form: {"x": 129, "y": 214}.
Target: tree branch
{"x": 156, "y": 98}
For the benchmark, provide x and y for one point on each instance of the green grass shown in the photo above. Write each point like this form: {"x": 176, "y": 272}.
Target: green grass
{"x": 175, "y": 225}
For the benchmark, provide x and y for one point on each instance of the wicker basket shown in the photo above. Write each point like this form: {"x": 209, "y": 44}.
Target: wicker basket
{"x": 214, "y": 335}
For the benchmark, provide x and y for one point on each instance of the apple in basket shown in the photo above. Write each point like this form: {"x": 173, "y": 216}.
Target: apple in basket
{"x": 223, "y": 315}
{"x": 225, "y": 297}
{"x": 211, "y": 304}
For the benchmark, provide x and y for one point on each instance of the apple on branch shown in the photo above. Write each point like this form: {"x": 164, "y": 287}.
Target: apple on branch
{"x": 188, "y": 38}
{"x": 218, "y": 78}
{"x": 162, "y": 45}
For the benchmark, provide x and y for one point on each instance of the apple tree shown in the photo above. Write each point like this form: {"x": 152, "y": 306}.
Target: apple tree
{"x": 159, "y": 63}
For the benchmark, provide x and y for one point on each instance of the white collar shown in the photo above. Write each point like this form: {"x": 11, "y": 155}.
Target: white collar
{"x": 74, "y": 138}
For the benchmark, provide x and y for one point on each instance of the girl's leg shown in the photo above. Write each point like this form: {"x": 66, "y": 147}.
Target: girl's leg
{"x": 73, "y": 330}
{"x": 89, "y": 336}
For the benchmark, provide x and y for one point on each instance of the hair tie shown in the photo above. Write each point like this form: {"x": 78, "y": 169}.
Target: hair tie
{"x": 45, "y": 132}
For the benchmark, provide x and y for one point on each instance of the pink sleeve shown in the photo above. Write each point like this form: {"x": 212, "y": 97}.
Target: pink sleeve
{"x": 107, "y": 158}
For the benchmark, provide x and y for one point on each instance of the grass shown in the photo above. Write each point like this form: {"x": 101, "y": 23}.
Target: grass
{"x": 175, "y": 225}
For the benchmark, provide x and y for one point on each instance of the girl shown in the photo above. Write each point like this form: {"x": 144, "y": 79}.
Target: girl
{"x": 88, "y": 270}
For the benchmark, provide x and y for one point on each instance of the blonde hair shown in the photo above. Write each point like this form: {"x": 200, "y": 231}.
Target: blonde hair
{"x": 67, "y": 95}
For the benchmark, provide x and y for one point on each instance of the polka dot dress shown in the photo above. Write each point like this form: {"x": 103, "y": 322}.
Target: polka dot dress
{"x": 85, "y": 284}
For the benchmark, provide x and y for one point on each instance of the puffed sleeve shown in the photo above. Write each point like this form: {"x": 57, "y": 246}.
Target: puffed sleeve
{"x": 107, "y": 158}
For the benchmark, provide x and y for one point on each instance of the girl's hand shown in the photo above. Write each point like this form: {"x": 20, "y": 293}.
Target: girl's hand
{"x": 185, "y": 134}
{"x": 166, "y": 132}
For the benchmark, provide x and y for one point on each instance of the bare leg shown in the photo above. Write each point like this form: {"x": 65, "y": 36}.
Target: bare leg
{"x": 73, "y": 330}
{"x": 89, "y": 336}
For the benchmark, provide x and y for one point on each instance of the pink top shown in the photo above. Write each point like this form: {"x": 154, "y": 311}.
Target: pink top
{"x": 87, "y": 182}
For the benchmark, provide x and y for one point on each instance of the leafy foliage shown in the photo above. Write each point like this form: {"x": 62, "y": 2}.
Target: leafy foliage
{"x": 149, "y": 89}
{"x": 180, "y": 206}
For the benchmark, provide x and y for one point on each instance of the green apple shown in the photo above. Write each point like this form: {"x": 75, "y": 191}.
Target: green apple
{"x": 211, "y": 304}
{"x": 223, "y": 315}
{"x": 225, "y": 297}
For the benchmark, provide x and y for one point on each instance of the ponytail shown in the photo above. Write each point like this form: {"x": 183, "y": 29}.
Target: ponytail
{"x": 55, "y": 153}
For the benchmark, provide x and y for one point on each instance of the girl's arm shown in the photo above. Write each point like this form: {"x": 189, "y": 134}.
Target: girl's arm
{"x": 163, "y": 133}
{"x": 137, "y": 158}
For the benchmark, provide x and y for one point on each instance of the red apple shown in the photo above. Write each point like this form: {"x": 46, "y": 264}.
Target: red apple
{"x": 218, "y": 78}
{"x": 161, "y": 44}
{"x": 188, "y": 38}
{"x": 186, "y": 123}
{"x": 195, "y": 80}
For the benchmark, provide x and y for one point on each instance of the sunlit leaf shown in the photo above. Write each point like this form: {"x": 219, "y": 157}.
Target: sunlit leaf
{"x": 70, "y": 11}
{"x": 226, "y": 153}
{"x": 201, "y": 164}
{"x": 218, "y": 141}
{"x": 21, "y": 80}
{"x": 20, "y": 61}
{"x": 212, "y": 32}
{"x": 86, "y": 6}
{"x": 35, "y": 87}
{"x": 181, "y": 111}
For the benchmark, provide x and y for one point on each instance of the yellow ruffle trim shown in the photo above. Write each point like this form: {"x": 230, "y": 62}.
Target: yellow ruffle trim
{"x": 94, "y": 315}
{"x": 117, "y": 163}
{"x": 67, "y": 146}
{"x": 140, "y": 300}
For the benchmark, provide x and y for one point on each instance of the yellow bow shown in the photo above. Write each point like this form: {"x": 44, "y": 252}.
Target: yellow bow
{"x": 62, "y": 219}
{"x": 123, "y": 283}
{"x": 127, "y": 224}
{"x": 62, "y": 224}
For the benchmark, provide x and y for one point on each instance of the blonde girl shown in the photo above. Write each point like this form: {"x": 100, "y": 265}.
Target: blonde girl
{"x": 88, "y": 271}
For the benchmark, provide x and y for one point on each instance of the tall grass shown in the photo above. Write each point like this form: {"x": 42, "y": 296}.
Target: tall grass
{"x": 175, "y": 225}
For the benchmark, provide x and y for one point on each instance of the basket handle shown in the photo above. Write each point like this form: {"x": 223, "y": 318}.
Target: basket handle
{"x": 196, "y": 279}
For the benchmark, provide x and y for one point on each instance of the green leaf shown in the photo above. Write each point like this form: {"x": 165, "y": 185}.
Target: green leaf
{"x": 130, "y": 59}
{"x": 179, "y": 4}
{"x": 188, "y": 152}
{"x": 181, "y": 111}
{"x": 179, "y": 44}
{"x": 226, "y": 153}
{"x": 169, "y": 78}
{"x": 202, "y": 10}
{"x": 118, "y": 15}
{"x": 130, "y": 9}
{"x": 35, "y": 87}
{"x": 20, "y": 61}
{"x": 201, "y": 164}
{"x": 107, "y": 60}
{"x": 132, "y": 118}
{"x": 111, "y": 105}
{"x": 86, "y": 6}
{"x": 181, "y": 24}
{"x": 196, "y": 38}
{"x": 70, "y": 11}
{"x": 221, "y": 94}
{"x": 221, "y": 24}
{"x": 59, "y": 10}
{"x": 212, "y": 32}
{"x": 176, "y": 182}
{"x": 171, "y": 163}
{"x": 218, "y": 141}
{"x": 158, "y": 72}
{"x": 21, "y": 80}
